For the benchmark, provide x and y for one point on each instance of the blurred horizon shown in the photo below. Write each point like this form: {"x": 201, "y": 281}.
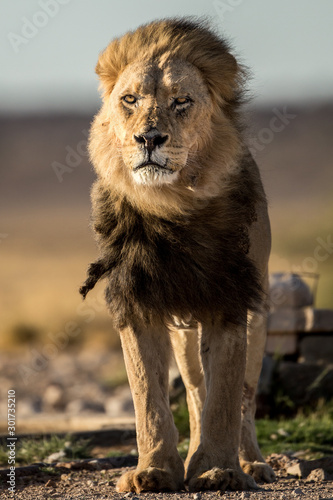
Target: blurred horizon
{"x": 50, "y": 48}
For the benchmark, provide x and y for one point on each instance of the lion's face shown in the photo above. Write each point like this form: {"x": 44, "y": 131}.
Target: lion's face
{"x": 161, "y": 116}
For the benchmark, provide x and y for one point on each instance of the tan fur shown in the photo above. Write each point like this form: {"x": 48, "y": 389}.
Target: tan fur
{"x": 208, "y": 167}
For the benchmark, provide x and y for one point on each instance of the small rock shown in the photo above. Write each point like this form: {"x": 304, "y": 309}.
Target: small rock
{"x": 54, "y": 398}
{"x": 304, "y": 467}
{"x": 65, "y": 465}
{"x": 244, "y": 495}
{"x": 297, "y": 492}
{"x": 316, "y": 475}
{"x": 95, "y": 464}
{"x": 197, "y": 496}
{"x": 54, "y": 457}
{"x": 294, "y": 470}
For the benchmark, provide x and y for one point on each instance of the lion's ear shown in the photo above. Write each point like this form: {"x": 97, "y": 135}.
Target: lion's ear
{"x": 230, "y": 77}
{"x": 224, "y": 76}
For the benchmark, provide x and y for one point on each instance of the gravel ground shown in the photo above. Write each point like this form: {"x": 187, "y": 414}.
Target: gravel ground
{"x": 69, "y": 481}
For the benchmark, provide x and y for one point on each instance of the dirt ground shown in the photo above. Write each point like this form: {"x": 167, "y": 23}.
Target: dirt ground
{"x": 87, "y": 480}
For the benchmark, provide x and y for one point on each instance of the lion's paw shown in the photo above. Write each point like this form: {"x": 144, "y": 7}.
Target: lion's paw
{"x": 260, "y": 471}
{"x": 221, "y": 479}
{"x": 126, "y": 482}
{"x": 150, "y": 479}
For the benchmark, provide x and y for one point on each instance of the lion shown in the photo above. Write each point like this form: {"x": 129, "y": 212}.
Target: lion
{"x": 181, "y": 220}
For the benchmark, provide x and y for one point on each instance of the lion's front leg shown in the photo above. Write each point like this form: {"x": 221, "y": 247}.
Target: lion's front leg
{"x": 215, "y": 464}
{"x": 146, "y": 354}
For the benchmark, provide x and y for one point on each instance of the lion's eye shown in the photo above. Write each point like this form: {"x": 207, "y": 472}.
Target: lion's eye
{"x": 179, "y": 101}
{"x": 130, "y": 99}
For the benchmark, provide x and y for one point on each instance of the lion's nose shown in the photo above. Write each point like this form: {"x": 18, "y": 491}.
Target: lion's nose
{"x": 151, "y": 139}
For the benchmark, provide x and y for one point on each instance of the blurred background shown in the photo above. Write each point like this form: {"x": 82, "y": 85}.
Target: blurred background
{"x": 48, "y": 97}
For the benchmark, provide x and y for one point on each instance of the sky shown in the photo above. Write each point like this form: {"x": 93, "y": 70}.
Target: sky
{"x": 49, "y": 48}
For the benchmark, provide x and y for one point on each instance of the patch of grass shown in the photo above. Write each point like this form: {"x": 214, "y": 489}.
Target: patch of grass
{"x": 309, "y": 431}
{"x": 181, "y": 417}
{"x": 183, "y": 447}
{"x": 80, "y": 448}
{"x": 30, "y": 450}
{"x": 115, "y": 453}
{"x": 51, "y": 470}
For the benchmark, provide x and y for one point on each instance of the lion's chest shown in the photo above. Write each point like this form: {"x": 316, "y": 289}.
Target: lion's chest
{"x": 174, "y": 269}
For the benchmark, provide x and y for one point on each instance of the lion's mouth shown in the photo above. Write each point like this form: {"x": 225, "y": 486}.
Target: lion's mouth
{"x": 153, "y": 165}
{"x": 153, "y": 173}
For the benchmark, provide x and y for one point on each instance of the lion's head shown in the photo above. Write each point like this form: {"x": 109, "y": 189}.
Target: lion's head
{"x": 168, "y": 120}
{"x": 154, "y": 107}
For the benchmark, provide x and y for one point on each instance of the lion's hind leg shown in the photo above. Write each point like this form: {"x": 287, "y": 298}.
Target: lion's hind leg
{"x": 185, "y": 343}
{"x": 250, "y": 457}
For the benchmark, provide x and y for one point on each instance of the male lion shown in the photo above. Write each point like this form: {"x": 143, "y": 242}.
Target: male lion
{"x": 181, "y": 220}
